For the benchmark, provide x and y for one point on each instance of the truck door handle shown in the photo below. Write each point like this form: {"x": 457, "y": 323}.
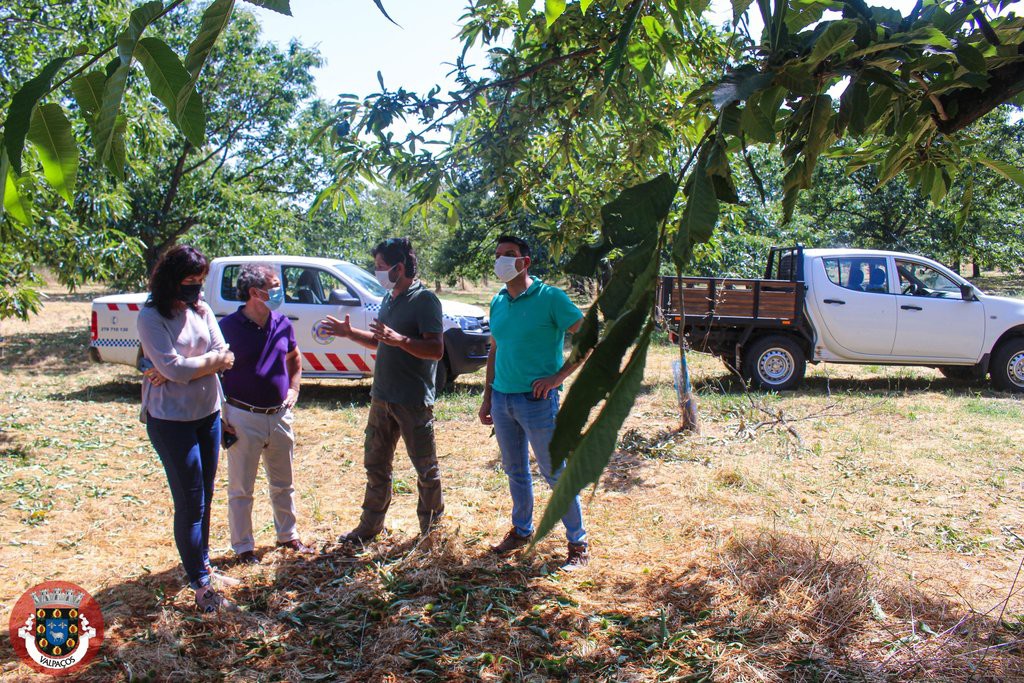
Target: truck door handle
{"x": 834, "y": 301}
{"x": 911, "y": 308}
{"x": 293, "y": 317}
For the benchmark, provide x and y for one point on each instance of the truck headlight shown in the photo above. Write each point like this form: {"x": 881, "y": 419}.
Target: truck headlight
{"x": 469, "y": 324}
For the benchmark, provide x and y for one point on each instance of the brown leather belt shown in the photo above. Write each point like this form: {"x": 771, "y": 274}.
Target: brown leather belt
{"x": 254, "y": 409}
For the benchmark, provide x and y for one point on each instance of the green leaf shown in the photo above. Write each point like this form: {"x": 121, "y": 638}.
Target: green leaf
{"x": 137, "y": 23}
{"x": 599, "y": 374}
{"x": 51, "y": 133}
{"x": 88, "y": 91}
{"x": 853, "y": 108}
{"x": 628, "y": 271}
{"x": 619, "y": 51}
{"x": 284, "y": 7}
{"x": 525, "y": 9}
{"x": 833, "y": 39}
{"x": 700, "y": 214}
{"x": 1008, "y": 171}
{"x": 653, "y": 28}
{"x": 104, "y": 137}
{"x": 16, "y": 202}
{"x": 595, "y": 448}
{"x": 819, "y": 133}
{"x": 19, "y": 113}
{"x": 5, "y": 168}
{"x": 552, "y": 10}
{"x": 740, "y": 85}
{"x": 167, "y": 78}
{"x": 215, "y": 18}
{"x": 584, "y": 5}
{"x": 739, "y": 8}
{"x": 970, "y": 58}
{"x": 755, "y": 123}
{"x": 634, "y": 216}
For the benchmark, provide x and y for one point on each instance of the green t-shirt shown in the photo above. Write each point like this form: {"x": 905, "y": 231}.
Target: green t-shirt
{"x": 401, "y": 377}
{"x": 529, "y": 331}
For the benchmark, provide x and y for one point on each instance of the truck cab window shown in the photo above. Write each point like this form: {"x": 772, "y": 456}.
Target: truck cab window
{"x": 305, "y": 285}
{"x": 861, "y": 274}
{"x": 917, "y": 279}
{"x": 229, "y": 283}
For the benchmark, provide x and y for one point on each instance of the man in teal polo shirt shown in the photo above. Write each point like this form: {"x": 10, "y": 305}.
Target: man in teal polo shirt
{"x": 525, "y": 371}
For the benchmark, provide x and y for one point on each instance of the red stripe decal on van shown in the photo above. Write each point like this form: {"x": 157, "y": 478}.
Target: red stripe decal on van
{"x": 311, "y": 359}
{"x": 360, "y": 363}
{"x": 133, "y": 307}
{"x": 336, "y": 362}
{"x": 111, "y": 307}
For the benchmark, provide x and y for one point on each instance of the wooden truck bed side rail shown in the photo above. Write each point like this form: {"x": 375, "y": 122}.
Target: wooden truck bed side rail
{"x": 732, "y": 301}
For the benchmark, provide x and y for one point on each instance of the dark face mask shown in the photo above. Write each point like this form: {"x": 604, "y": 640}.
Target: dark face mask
{"x": 189, "y": 294}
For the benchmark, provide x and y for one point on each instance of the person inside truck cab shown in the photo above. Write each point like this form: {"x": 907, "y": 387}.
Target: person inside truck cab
{"x": 181, "y": 404}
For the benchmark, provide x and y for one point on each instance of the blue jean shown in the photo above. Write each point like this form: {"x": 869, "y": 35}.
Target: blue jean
{"x": 189, "y": 453}
{"x": 521, "y": 421}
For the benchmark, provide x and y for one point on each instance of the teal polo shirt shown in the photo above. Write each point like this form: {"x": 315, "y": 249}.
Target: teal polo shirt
{"x": 530, "y": 331}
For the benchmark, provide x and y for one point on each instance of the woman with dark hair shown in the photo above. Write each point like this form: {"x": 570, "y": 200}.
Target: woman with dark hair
{"x": 181, "y": 403}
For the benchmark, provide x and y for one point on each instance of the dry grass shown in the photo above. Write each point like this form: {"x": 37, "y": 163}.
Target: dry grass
{"x": 863, "y": 528}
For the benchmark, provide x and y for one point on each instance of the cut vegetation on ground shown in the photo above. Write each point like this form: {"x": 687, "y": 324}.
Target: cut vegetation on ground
{"x": 868, "y": 527}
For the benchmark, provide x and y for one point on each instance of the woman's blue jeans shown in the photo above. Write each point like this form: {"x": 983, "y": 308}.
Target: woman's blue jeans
{"x": 189, "y": 453}
{"x": 521, "y": 421}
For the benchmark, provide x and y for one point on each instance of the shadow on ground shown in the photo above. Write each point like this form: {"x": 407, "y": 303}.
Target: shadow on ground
{"x": 49, "y": 353}
{"x": 816, "y": 385}
{"x": 767, "y": 606}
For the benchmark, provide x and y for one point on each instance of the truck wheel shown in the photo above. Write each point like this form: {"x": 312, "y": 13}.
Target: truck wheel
{"x": 774, "y": 363}
{"x": 1007, "y": 366}
{"x": 441, "y": 377}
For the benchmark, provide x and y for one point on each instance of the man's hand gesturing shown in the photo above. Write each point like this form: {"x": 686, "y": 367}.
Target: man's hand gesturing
{"x": 337, "y": 328}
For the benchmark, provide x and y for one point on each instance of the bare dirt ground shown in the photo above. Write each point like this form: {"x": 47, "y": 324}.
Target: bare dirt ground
{"x": 863, "y": 528}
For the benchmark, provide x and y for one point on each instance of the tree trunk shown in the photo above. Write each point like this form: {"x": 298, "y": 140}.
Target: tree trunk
{"x": 956, "y": 265}
{"x": 437, "y": 286}
{"x": 975, "y": 268}
{"x": 462, "y": 284}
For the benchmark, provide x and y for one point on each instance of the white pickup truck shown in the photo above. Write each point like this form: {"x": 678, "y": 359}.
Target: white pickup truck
{"x": 314, "y": 288}
{"x": 849, "y": 306}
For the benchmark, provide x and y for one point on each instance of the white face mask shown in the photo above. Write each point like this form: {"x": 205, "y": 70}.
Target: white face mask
{"x": 384, "y": 278}
{"x": 505, "y": 268}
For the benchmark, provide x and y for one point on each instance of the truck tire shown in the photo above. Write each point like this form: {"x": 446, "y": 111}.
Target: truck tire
{"x": 1007, "y": 367}
{"x": 774, "y": 363}
{"x": 441, "y": 377}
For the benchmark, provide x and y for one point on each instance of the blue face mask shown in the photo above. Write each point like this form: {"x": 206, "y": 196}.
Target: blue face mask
{"x": 275, "y": 297}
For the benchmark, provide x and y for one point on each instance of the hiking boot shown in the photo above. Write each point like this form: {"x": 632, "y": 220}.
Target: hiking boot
{"x": 357, "y": 536}
{"x": 295, "y": 545}
{"x": 512, "y": 542}
{"x": 247, "y": 557}
{"x": 210, "y": 601}
{"x": 578, "y": 557}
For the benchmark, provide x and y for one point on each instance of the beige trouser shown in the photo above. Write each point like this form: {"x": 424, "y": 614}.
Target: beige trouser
{"x": 271, "y": 436}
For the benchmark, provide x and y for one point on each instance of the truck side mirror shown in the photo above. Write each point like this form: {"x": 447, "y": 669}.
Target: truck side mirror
{"x": 340, "y": 297}
{"x": 967, "y": 293}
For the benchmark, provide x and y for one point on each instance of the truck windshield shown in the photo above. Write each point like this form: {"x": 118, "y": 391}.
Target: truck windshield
{"x": 362, "y": 278}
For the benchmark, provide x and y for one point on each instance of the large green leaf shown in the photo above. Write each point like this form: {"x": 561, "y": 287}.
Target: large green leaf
{"x": 105, "y": 130}
{"x": 755, "y": 124}
{"x": 19, "y": 113}
{"x": 552, "y": 10}
{"x": 167, "y": 78}
{"x": 599, "y": 374}
{"x": 970, "y": 58}
{"x": 832, "y": 39}
{"x": 51, "y": 133}
{"x": 595, "y": 448}
{"x": 619, "y": 50}
{"x": 628, "y": 271}
{"x": 16, "y": 201}
{"x": 284, "y": 7}
{"x": 739, "y": 8}
{"x": 137, "y": 23}
{"x": 699, "y": 216}
{"x": 88, "y": 91}
{"x": 584, "y": 5}
{"x": 740, "y": 85}
{"x": 215, "y": 18}
{"x": 5, "y": 168}
{"x": 525, "y": 9}
{"x": 1008, "y": 171}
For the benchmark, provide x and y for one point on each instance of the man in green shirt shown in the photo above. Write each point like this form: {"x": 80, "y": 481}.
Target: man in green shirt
{"x": 407, "y": 336}
{"x": 525, "y": 371}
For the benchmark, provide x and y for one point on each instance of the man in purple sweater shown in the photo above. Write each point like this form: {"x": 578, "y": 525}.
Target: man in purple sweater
{"x": 260, "y": 391}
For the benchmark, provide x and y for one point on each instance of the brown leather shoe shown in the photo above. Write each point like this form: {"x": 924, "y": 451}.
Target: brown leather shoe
{"x": 512, "y": 542}
{"x": 297, "y": 546}
{"x": 247, "y": 557}
{"x": 578, "y": 557}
